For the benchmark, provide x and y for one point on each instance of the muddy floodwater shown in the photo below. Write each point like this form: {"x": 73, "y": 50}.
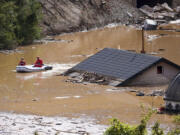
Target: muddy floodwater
{"x": 48, "y": 94}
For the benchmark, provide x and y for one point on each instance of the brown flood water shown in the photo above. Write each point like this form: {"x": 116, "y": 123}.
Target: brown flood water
{"x": 44, "y": 93}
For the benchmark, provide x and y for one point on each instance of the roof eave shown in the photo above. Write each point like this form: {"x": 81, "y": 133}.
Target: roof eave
{"x": 170, "y": 99}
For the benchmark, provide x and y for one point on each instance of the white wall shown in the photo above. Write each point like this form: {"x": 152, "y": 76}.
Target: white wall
{"x": 150, "y": 77}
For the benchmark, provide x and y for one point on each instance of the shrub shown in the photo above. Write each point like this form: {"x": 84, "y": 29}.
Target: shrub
{"x": 118, "y": 128}
{"x": 156, "y": 130}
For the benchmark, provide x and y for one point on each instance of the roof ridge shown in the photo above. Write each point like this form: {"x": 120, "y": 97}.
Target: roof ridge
{"x": 134, "y": 52}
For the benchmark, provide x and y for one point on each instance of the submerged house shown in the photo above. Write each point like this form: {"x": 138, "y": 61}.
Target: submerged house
{"x": 127, "y": 68}
{"x": 172, "y": 95}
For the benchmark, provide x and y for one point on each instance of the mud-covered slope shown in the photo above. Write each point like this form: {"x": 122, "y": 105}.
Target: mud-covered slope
{"x": 61, "y": 16}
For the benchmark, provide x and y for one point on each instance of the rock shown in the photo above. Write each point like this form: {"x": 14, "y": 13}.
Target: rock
{"x": 129, "y": 14}
{"x": 162, "y": 13}
{"x": 14, "y": 124}
{"x": 150, "y": 24}
{"x": 132, "y": 90}
{"x": 63, "y": 16}
{"x": 58, "y": 123}
{"x": 149, "y": 14}
{"x": 74, "y": 122}
{"x": 165, "y": 6}
{"x": 147, "y": 8}
{"x": 35, "y": 99}
{"x": 156, "y": 93}
{"x": 157, "y": 8}
{"x": 139, "y": 93}
{"x": 74, "y": 74}
{"x": 177, "y": 9}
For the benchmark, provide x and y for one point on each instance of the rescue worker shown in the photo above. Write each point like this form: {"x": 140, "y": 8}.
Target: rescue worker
{"x": 38, "y": 63}
{"x": 22, "y": 62}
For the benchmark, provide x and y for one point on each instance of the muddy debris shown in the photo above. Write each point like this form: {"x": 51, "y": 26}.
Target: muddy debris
{"x": 162, "y": 13}
{"x": 156, "y": 93}
{"x": 12, "y": 123}
{"x": 152, "y": 93}
{"x": 140, "y": 93}
{"x": 11, "y": 51}
{"x": 51, "y": 39}
{"x": 88, "y": 77}
{"x": 35, "y": 99}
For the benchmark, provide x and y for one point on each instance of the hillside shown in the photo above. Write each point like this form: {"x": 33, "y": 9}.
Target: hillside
{"x": 75, "y": 15}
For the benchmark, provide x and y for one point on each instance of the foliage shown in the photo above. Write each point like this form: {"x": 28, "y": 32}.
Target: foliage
{"x": 36, "y": 133}
{"x": 156, "y": 130}
{"x": 7, "y": 27}
{"x": 177, "y": 119}
{"x": 176, "y": 131}
{"x": 118, "y": 128}
{"x": 19, "y": 22}
{"x": 29, "y": 15}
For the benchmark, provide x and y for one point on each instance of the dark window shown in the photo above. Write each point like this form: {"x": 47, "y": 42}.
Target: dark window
{"x": 159, "y": 69}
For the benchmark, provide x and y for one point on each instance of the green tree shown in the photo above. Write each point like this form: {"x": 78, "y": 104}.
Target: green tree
{"x": 29, "y": 16}
{"x": 7, "y": 25}
{"x": 19, "y": 22}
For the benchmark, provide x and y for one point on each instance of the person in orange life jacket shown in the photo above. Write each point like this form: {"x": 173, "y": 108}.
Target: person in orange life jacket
{"x": 38, "y": 63}
{"x": 22, "y": 62}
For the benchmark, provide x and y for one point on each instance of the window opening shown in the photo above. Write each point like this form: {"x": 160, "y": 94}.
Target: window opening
{"x": 159, "y": 69}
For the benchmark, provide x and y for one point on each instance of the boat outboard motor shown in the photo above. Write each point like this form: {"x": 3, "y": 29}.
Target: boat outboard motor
{"x": 48, "y": 68}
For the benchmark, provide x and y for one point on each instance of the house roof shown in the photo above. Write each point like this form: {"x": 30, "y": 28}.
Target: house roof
{"x": 120, "y": 64}
{"x": 173, "y": 91}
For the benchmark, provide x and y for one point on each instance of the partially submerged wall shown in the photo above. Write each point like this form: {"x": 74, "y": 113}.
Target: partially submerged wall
{"x": 150, "y": 77}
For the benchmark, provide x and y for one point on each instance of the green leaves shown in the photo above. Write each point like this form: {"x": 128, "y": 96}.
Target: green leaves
{"x": 156, "y": 130}
{"x": 118, "y": 128}
{"x": 29, "y": 15}
{"x": 7, "y": 25}
{"x": 19, "y": 22}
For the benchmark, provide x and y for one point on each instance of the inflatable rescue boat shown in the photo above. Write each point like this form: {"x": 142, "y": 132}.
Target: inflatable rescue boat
{"x": 31, "y": 68}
